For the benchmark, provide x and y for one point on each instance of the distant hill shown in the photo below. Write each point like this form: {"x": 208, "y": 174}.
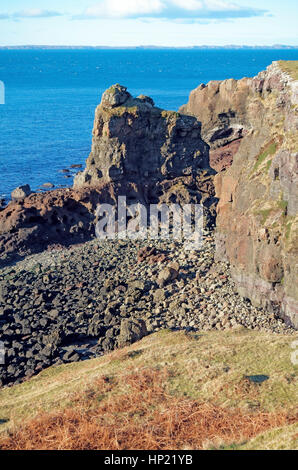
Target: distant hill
{"x": 230, "y": 46}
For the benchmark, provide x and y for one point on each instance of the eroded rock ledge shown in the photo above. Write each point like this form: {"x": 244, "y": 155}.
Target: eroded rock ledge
{"x": 258, "y": 195}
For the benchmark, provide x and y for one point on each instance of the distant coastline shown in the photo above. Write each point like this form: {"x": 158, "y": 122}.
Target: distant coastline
{"x": 230, "y": 46}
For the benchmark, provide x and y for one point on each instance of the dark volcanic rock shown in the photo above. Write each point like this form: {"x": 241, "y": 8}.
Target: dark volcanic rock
{"x": 131, "y": 331}
{"x": 139, "y": 151}
{"x": 137, "y": 142}
{"x": 148, "y": 155}
{"x": 62, "y": 216}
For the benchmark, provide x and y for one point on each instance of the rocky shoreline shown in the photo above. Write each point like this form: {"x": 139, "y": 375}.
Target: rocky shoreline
{"x": 78, "y": 297}
{"x": 67, "y": 305}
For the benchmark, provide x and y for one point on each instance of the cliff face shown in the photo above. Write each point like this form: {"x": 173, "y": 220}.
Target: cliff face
{"x": 139, "y": 151}
{"x": 257, "y": 210}
{"x": 148, "y": 154}
{"x": 221, "y": 108}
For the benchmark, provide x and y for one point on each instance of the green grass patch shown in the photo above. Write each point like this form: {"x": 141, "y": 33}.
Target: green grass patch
{"x": 270, "y": 149}
{"x": 264, "y": 214}
{"x": 268, "y": 165}
{"x": 169, "y": 114}
{"x": 283, "y": 205}
{"x": 276, "y": 439}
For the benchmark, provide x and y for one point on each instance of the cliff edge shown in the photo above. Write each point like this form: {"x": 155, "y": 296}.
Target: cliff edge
{"x": 258, "y": 194}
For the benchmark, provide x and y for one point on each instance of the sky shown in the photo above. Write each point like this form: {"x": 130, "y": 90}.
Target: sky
{"x": 148, "y": 22}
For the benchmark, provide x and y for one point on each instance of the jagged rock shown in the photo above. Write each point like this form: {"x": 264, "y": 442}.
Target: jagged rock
{"x": 150, "y": 255}
{"x": 221, "y": 107}
{"x": 258, "y": 195}
{"x": 21, "y": 192}
{"x": 60, "y": 216}
{"x": 139, "y": 151}
{"x": 115, "y": 96}
{"x": 131, "y": 330}
{"x": 148, "y": 153}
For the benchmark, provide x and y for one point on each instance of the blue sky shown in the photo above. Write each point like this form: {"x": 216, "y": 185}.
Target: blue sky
{"x": 148, "y": 22}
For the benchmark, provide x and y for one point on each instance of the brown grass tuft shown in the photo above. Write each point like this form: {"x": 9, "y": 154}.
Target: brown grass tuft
{"x": 136, "y": 412}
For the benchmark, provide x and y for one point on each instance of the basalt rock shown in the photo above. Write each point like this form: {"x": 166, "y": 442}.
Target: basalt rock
{"x": 135, "y": 141}
{"x": 139, "y": 151}
{"x": 149, "y": 154}
{"x": 221, "y": 108}
{"x": 258, "y": 195}
{"x": 38, "y": 221}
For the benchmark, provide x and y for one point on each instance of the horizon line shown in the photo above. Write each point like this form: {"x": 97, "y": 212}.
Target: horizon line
{"x": 148, "y": 46}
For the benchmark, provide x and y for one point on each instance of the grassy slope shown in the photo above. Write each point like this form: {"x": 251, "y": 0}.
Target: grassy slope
{"x": 208, "y": 367}
{"x": 290, "y": 67}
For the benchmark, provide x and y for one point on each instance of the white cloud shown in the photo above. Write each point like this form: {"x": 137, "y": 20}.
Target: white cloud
{"x": 127, "y": 8}
{"x": 36, "y": 13}
{"x": 30, "y": 13}
{"x": 169, "y": 9}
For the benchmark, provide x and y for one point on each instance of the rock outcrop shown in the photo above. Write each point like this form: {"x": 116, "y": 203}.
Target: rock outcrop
{"x": 221, "y": 108}
{"x": 139, "y": 151}
{"x": 21, "y": 192}
{"x": 258, "y": 195}
{"x": 62, "y": 216}
{"x": 135, "y": 141}
{"x": 150, "y": 155}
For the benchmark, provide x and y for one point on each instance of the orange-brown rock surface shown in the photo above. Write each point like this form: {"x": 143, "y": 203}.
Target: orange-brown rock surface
{"x": 41, "y": 219}
{"x": 221, "y": 108}
{"x": 258, "y": 195}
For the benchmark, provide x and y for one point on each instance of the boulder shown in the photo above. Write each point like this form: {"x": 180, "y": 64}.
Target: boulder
{"x": 166, "y": 275}
{"x": 21, "y": 192}
{"x": 131, "y": 330}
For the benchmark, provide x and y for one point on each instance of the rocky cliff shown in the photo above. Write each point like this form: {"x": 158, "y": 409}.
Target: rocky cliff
{"x": 139, "y": 151}
{"x": 257, "y": 209}
{"x": 148, "y": 154}
{"x": 221, "y": 108}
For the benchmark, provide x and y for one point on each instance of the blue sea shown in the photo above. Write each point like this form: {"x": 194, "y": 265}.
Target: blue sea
{"x": 51, "y": 95}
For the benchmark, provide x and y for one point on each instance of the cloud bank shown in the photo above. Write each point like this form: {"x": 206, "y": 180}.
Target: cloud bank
{"x": 177, "y": 10}
{"x": 30, "y": 13}
{"x": 170, "y": 9}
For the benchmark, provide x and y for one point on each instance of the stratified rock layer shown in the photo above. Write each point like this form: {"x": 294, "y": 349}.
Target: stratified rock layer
{"x": 258, "y": 195}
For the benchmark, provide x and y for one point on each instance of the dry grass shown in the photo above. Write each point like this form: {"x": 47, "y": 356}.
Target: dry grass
{"x": 290, "y": 67}
{"x": 143, "y": 416}
{"x": 198, "y": 371}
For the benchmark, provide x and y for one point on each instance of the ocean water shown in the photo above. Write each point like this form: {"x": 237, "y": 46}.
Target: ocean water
{"x": 51, "y": 95}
